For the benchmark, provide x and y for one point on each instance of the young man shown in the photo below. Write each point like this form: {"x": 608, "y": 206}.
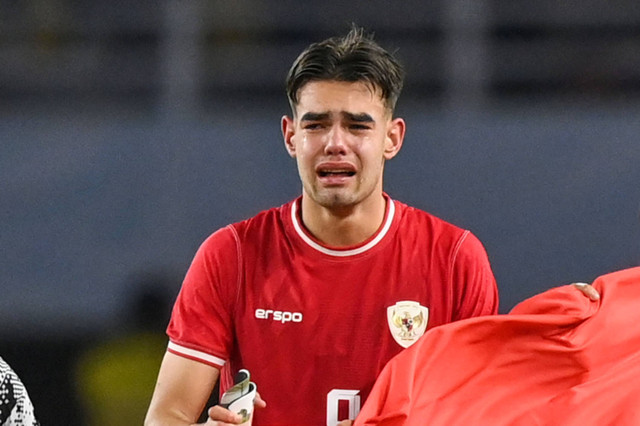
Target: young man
{"x": 315, "y": 296}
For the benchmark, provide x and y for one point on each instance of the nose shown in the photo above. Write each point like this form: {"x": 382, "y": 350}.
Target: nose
{"x": 336, "y": 142}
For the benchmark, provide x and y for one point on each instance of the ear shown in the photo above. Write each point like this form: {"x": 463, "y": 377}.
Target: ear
{"x": 288, "y": 131}
{"x": 395, "y": 137}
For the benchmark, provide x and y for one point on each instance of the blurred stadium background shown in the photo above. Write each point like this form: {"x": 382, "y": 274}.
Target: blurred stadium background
{"x": 129, "y": 131}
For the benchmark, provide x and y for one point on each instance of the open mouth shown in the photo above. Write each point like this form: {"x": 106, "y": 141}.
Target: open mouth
{"x": 336, "y": 173}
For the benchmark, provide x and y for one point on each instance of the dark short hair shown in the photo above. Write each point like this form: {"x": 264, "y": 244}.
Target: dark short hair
{"x": 353, "y": 58}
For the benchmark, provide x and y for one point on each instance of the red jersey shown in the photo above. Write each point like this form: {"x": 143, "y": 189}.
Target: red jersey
{"x": 313, "y": 324}
{"x": 557, "y": 359}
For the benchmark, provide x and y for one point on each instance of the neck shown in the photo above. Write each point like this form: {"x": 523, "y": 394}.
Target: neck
{"x": 343, "y": 226}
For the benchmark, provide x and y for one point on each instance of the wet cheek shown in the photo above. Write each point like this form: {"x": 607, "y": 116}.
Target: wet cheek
{"x": 310, "y": 151}
{"x": 305, "y": 165}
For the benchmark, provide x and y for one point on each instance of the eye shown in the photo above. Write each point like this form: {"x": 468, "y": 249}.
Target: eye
{"x": 357, "y": 126}
{"x": 312, "y": 126}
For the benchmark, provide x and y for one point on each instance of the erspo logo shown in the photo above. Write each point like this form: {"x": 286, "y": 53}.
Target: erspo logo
{"x": 280, "y": 316}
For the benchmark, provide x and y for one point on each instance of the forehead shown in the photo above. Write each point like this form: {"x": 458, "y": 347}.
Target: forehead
{"x": 340, "y": 96}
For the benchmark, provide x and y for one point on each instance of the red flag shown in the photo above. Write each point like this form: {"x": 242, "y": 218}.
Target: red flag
{"x": 557, "y": 358}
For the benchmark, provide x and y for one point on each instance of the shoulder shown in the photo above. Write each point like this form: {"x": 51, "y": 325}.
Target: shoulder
{"x": 459, "y": 243}
{"x": 7, "y": 373}
{"x": 267, "y": 226}
{"x": 256, "y": 227}
{"x": 5, "y": 370}
{"x": 267, "y": 216}
{"x": 416, "y": 220}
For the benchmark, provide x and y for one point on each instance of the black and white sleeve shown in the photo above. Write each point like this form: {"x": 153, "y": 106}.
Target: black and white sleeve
{"x": 16, "y": 408}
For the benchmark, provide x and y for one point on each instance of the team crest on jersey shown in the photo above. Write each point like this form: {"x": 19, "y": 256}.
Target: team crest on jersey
{"x": 407, "y": 322}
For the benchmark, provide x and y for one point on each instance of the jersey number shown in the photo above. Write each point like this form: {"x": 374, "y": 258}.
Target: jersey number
{"x": 349, "y": 398}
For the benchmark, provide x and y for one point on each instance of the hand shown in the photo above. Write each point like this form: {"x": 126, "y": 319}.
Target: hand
{"x": 588, "y": 291}
{"x": 346, "y": 423}
{"x": 219, "y": 416}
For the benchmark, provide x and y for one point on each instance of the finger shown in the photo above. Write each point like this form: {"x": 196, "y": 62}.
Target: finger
{"x": 221, "y": 414}
{"x": 211, "y": 422}
{"x": 258, "y": 401}
{"x": 588, "y": 290}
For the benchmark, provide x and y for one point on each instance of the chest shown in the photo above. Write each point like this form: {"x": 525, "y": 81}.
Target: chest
{"x": 347, "y": 298}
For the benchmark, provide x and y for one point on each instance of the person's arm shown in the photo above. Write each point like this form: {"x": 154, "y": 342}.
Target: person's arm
{"x": 202, "y": 318}
{"x": 182, "y": 390}
{"x": 15, "y": 405}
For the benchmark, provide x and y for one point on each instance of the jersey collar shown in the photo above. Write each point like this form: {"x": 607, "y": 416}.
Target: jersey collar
{"x": 388, "y": 220}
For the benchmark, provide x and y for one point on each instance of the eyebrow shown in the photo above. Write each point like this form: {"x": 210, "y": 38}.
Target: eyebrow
{"x": 315, "y": 116}
{"x": 361, "y": 118}
{"x": 321, "y": 116}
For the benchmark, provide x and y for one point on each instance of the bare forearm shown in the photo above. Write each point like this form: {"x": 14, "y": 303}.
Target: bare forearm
{"x": 181, "y": 392}
{"x": 158, "y": 416}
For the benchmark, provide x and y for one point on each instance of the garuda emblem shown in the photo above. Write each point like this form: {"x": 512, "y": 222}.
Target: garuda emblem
{"x": 407, "y": 322}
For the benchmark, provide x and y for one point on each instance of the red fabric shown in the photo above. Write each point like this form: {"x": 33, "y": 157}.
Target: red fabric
{"x": 556, "y": 359}
{"x": 306, "y": 369}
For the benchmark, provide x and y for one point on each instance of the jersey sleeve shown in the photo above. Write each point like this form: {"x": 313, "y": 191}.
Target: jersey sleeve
{"x": 474, "y": 284}
{"x": 15, "y": 406}
{"x": 201, "y": 327}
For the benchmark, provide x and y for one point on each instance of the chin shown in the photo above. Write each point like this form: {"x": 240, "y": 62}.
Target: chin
{"x": 336, "y": 200}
